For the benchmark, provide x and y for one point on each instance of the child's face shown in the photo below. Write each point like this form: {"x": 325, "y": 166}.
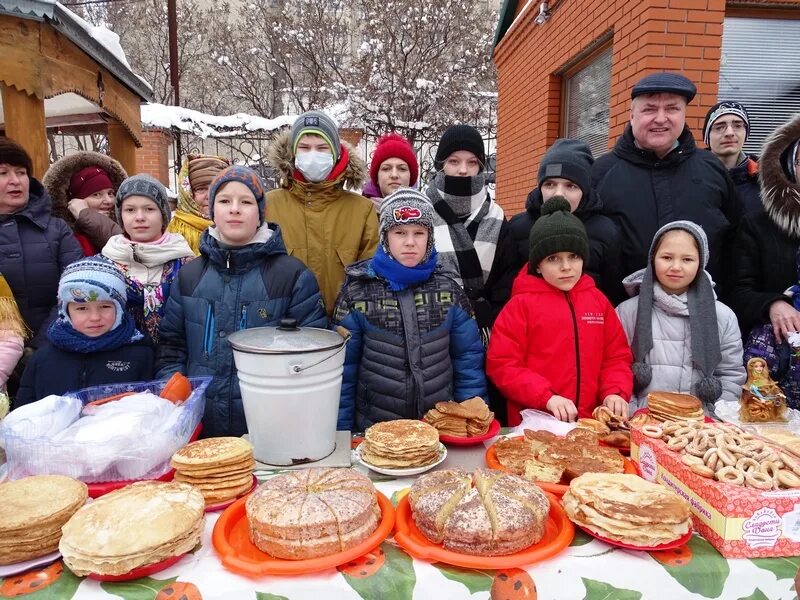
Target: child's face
{"x": 559, "y": 186}
{"x": 407, "y": 244}
{"x": 676, "y": 261}
{"x": 236, "y": 213}
{"x": 562, "y": 270}
{"x": 141, "y": 219}
{"x": 94, "y": 318}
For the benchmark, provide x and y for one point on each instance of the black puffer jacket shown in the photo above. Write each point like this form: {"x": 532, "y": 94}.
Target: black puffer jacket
{"x": 603, "y": 263}
{"x": 34, "y": 249}
{"x": 409, "y": 349}
{"x": 54, "y": 371}
{"x": 748, "y": 189}
{"x": 642, "y": 192}
{"x": 765, "y": 253}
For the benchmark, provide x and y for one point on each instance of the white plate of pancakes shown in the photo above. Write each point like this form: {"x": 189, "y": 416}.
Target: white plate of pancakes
{"x": 401, "y": 471}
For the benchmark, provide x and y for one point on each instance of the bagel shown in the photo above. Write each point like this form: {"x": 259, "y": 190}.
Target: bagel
{"x": 730, "y": 475}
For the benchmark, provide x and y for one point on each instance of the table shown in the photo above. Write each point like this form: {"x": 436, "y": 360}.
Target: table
{"x": 587, "y": 569}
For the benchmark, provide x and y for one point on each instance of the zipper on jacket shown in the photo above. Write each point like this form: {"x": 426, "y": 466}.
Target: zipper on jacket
{"x": 577, "y": 351}
{"x": 243, "y": 318}
{"x": 208, "y": 334}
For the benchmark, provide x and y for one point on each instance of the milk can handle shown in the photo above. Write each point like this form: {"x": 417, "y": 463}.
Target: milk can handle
{"x": 342, "y": 332}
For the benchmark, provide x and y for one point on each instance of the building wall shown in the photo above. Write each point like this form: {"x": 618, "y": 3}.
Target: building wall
{"x": 647, "y": 36}
{"x": 153, "y": 157}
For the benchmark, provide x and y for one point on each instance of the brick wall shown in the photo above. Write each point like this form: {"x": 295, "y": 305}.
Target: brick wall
{"x": 153, "y": 157}
{"x": 647, "y": 36}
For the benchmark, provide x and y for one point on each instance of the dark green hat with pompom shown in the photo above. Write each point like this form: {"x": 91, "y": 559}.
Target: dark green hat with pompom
{"x": 556, "y": 230}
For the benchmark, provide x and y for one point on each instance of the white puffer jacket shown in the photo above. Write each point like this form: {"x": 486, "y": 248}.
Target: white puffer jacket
{"x": 671, "y": 356}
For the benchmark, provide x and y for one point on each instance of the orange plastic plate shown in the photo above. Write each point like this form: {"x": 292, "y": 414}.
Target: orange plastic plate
{"x": 231, "y": 539}
{"x": 558, "y": 534}
{"x": 452, "y": 440}
{"x": 559, "y": 489}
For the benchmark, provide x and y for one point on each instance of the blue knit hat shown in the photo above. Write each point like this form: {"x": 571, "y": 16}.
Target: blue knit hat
{"x": 244, "y": 175}
{"x": 90, "y": 279}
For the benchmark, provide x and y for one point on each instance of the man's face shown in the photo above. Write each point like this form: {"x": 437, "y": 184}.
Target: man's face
{"x": 657, "y": 121}
{"x": 727, "y": 136}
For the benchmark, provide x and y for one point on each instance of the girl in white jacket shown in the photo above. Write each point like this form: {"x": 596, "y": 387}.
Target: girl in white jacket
{"x": 683, "y": 340}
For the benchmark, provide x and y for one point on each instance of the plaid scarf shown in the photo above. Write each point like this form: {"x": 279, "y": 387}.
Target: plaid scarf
{"x": 466, "y": 228}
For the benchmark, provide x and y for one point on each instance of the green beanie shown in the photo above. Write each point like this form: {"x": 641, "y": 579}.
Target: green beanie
{"x": 556, "y": 230}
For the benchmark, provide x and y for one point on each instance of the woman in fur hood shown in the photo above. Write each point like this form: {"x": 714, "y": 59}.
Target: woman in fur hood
{"x": 767, "y": 264}
{"x": 82, "y": 186}
{"x": 323, "y": 224}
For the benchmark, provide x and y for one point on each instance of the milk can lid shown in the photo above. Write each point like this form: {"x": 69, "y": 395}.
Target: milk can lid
{"x": 287, "y": 338}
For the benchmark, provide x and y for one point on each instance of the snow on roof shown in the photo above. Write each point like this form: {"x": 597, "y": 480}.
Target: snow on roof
{"x": 205, "y": 126}
{"x": 98, "y": 42}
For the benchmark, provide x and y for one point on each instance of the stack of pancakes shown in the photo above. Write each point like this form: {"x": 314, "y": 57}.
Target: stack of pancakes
{"x": 400, "y": 444}
{"x": 668, "y": 406}
{"x": 543, "y": 456}
{"x": 312, "y": 513}
{"x": 221, "y": 468}
{"x": 139, "y": 525}
{"x": 627, "y": 508}
{"x": 501, "y": 514}
{"x": 33, "y": 511}
{"x": 469, "y": 418}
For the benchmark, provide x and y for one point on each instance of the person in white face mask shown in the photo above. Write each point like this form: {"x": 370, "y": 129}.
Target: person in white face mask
{"x": 324, "y": 225}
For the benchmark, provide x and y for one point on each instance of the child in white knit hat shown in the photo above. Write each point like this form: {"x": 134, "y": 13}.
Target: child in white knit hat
{"x": 94, "y": 341}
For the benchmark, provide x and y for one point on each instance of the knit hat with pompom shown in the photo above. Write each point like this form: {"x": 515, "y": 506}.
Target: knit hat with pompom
{"x": 556, "y": 230}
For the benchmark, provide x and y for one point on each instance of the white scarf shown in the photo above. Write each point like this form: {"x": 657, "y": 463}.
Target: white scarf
{"x": 145, "y": 262}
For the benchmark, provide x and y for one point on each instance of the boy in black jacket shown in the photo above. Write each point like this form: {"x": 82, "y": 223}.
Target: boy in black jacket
{"x": 94, "y": 340}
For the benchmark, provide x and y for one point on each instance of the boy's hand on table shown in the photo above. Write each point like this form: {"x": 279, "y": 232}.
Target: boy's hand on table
{"x": 617, "y": 405}
{"x": 562, "y": 408}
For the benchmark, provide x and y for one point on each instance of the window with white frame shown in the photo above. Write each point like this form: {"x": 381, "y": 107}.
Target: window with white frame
{"x": 760, "y": 68}
{"x": 587, "y": 96}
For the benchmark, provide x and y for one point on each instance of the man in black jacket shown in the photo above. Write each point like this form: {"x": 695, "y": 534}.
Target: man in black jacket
{"x": 725, "y": 131}
{"x": 656, "y": 174}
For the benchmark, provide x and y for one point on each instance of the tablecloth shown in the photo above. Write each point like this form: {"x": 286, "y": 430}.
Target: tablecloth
{"x": 588, "y": 569}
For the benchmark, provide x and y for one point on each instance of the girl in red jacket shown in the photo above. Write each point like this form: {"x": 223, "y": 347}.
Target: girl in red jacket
{"x": 558, "y": 344}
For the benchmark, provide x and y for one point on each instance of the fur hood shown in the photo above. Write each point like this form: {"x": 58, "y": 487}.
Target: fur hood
{"x": 56, "y": 180}
{"x": 280, "y": 158}
{"x": 781, "y": 197}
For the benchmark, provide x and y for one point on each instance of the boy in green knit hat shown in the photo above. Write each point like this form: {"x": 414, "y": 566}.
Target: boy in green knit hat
{"x": 558, "y": 346}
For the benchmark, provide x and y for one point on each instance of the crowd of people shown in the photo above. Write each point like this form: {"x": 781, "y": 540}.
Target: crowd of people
{"x": 657, "y": 266}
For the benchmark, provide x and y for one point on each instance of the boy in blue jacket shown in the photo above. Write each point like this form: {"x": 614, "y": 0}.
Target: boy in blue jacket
{"x": 415, "y": 340}
{"x": 93, "y": 341}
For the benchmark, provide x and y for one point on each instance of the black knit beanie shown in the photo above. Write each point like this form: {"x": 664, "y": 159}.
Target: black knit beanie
{"x": 11, "y": 153}
{"x": 569, "y": 159}
{"x": 556, "y": 230}
{"x": 459, "y": 137}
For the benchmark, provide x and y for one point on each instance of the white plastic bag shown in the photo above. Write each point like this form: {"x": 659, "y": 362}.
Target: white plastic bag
{"x": 542, "y": 421}
{"x": 42, "y": 419}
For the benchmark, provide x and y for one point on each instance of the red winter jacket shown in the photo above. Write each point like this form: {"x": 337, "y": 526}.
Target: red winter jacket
{"x": 547, "y": 342}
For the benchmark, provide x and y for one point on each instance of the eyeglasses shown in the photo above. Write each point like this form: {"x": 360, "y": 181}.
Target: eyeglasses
{"x": 737, "y": 126}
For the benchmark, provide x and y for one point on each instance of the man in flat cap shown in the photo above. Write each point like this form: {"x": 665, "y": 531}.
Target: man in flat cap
{"x": 655, "y": 174}
{"x": 725, "y": 131}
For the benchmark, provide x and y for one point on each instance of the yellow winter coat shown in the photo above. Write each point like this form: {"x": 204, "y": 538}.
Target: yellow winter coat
{"x": 324, "y": 225}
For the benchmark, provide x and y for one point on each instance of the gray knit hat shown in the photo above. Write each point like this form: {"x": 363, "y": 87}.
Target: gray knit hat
{"x": 406, "y": 206}
{"x": 144, "y": 185}
{"x": 556, "y": 230}
{"x": 318, "y": 123}
{"x": 706, "y": 354}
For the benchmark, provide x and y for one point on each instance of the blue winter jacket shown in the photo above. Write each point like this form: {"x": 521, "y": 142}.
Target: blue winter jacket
{"x": 34, "y": 249}
{"x": 236, "y": 288}
{"x": 409, "y": 350}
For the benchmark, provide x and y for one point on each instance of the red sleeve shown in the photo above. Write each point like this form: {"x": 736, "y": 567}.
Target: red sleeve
{"x": 505, "y": 359}
{"x": 615, "y": 375}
